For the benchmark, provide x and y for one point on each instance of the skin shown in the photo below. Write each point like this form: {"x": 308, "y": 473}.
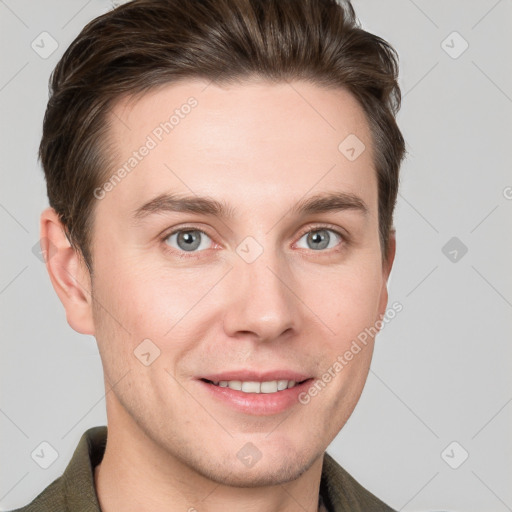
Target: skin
{"x": 259, "y": 147}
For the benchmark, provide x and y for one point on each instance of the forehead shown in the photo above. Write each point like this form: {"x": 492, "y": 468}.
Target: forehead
{"x": 251, "y": 142}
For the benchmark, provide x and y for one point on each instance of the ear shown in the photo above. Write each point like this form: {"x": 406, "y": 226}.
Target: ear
{"x": 386, "y": 270}
{"x": 68, "y": 272}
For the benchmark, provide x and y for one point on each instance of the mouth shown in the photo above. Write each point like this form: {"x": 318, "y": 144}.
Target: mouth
{"x": 252, "y": 386}
{"x": 255, "y": 394}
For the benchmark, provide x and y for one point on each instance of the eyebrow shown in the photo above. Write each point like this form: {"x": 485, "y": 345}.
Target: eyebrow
{"x": 320, "y": 203}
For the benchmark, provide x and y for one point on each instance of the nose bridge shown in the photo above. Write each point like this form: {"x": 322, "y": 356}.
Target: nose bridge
{"x": 261, "y": 301}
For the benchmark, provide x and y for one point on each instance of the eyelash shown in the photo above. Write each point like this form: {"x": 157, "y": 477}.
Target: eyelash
{"x": 185, "y": 255}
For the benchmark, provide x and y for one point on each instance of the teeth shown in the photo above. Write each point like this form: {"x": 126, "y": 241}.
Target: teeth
{"x": 235, "y": 384}
{"x": 282, "y": 384}
{"x": 251, "y": 387}
{"x": 269, "y": 387}
{"x": 272, "y": 386}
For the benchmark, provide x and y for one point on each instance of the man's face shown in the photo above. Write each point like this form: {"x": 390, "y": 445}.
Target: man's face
{"x": 269, "y": 293}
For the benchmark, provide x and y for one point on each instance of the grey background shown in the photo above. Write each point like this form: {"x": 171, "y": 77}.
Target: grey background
{"x": 441, "y": 370}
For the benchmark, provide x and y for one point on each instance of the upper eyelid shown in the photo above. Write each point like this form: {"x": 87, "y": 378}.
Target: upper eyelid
{"x": 320, "y": 226}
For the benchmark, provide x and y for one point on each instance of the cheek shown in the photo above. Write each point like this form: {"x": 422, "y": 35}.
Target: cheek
{"x": 138, "y": 300}
{"x": 346, "y": 300}
{"x": 137, "y": 306}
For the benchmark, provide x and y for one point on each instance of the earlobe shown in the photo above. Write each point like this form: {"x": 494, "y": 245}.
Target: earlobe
{"x": 68, "y": 273}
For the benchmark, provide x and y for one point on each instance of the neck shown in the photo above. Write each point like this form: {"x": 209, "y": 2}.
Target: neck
{"x": 136, "y": 474}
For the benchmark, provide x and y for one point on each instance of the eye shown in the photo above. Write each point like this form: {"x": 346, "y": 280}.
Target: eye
{"x": 320, "y": 238}
{"x": 187, "y": 240}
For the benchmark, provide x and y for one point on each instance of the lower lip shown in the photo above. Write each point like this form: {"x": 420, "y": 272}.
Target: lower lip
{"x": 259, "y": 404}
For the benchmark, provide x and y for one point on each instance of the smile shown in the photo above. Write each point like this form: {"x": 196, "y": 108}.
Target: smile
{"x": 272, "y": 386}
{"x": 256, "y": 395}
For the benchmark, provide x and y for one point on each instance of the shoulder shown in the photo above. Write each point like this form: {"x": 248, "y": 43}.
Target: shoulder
{"x": 74, "y": 489}
{"x": 342, "y": 492}
{"x": 51, "y": 499}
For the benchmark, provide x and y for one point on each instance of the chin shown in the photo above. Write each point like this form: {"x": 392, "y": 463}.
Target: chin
{"x": 276, "y": 471}
{"x": 252, "y": 477}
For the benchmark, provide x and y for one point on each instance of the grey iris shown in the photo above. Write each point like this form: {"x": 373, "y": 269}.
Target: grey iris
{"x": 191, "y": 240}
{"x": 319, "y": 239}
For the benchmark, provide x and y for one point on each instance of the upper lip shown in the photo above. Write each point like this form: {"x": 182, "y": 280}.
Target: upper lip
{"x": 254, "y": 376}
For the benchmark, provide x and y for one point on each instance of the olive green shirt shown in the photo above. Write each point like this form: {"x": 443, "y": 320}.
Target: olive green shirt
{"x": 74, "y": 491}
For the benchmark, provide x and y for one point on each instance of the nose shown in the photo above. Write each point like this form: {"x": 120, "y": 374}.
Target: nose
{"x": 261, "y": 300}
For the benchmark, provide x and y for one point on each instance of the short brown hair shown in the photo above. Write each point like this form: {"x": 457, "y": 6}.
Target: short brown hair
{"x": 147, "y": 43}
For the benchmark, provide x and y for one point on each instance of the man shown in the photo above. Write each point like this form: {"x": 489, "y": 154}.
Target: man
{"x": 222, "y": 176}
